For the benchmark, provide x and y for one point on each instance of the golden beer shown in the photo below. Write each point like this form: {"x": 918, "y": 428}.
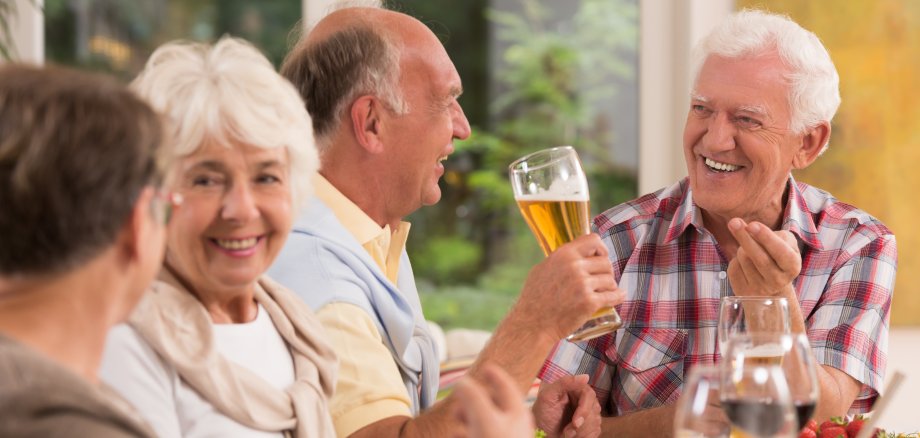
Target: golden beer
{"x": 555, "y": 222}
{"x": 764, "y": 355}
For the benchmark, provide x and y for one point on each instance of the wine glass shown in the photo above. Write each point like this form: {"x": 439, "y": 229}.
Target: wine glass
{"x": 698, "y": 412}
{"x": 792, "y": 352}
{"x": 748, "y": 314}
{"x": 552, "y": 193}
{"x": 756, "y": 400}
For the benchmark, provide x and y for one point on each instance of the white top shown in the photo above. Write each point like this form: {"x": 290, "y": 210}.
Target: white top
{"x": 173, "y": 408}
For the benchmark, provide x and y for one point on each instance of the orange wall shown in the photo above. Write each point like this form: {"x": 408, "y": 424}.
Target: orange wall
{"x": 874, "y": 156}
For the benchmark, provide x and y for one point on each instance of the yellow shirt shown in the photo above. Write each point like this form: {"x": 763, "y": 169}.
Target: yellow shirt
{"x": 369, "y": 386}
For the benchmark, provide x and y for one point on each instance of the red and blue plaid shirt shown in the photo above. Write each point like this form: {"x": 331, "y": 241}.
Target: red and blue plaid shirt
{"x": 675, "y": 276}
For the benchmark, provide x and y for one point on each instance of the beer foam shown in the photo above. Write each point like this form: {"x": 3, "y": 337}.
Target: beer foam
{"x": 765, "y": 350}
{"x": 550, "y": 197}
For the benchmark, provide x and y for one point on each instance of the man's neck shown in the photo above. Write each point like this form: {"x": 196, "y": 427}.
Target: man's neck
{"x": 367, "y": 193}
{"x": 66, "y": 318}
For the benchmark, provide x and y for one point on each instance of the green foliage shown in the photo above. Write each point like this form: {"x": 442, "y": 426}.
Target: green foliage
{"x": 447, "y": 259}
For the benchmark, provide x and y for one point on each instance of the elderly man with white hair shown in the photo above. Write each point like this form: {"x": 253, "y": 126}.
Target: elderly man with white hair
{"x": 763, "y": 96}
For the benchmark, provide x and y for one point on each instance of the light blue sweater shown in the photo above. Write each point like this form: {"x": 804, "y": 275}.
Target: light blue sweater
{"x": 323, "y": 263}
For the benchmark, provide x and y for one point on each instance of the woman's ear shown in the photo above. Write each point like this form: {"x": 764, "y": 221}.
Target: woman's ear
{"x": 366, "y": 118}
{"x": 813, "y": 143}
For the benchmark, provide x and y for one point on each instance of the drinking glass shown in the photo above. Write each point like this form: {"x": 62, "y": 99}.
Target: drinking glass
{"x": 552, "y": 193}
{"x": 756, "y": 400}
{"x": 698, "y": 412}
{"x": 749, "y": 314}
{"x": 792, "y": 353}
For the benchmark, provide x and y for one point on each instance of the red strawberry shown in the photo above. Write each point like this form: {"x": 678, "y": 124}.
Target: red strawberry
{"x": 808, "y": 433}
{"x": 855, "y": 426}
{"x": 833, "y": 431}
{"x": 812, "y": 424}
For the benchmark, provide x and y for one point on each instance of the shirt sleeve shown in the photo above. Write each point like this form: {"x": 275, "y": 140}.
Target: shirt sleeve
{"x": 849, "y": 327}
{"x": 369, "y": 387}
{"x": 133, "y": 370}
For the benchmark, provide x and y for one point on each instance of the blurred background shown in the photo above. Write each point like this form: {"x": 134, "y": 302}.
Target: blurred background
{"x": 540, "y": 73}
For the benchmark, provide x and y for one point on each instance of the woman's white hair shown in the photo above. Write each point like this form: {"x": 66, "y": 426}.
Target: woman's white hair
{"x": 228, "y": 93}
{"x": 814, "y": 86}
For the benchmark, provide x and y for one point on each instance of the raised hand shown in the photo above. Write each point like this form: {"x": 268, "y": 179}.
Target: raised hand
{"x": 568, "y": 408}
{"x": 492, "y": 408}
{"x": 767, "y": 261}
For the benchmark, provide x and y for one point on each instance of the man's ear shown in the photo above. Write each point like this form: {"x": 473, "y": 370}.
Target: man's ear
{"x": 812, "y": 144}
{"x": 366, "y": 118}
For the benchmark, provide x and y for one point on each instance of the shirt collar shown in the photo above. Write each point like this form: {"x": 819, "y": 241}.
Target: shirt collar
{"x": 797, "y": 218}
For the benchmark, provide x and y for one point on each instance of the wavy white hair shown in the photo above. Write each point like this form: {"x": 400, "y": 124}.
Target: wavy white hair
{"x": 229, "y": 92}
{"x": 814, "y": 92}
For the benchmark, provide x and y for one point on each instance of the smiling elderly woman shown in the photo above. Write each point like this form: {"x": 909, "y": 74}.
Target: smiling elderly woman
{"x": 215, "y": 348}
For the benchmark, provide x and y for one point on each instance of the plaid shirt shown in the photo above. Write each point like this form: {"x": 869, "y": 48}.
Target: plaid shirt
{"x": 675, "y": 275}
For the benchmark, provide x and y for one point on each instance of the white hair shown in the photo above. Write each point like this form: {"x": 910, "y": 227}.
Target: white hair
{"x": 814, "y": 86}
{"x": 225, "y": 93}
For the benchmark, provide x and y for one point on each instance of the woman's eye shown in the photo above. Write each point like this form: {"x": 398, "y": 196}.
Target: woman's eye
{"x": 205, "y": 181}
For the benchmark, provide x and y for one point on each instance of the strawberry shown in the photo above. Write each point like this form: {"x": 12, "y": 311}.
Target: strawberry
{"x": 833, "y": 431}
{"x": 808, "y": 433}
{"x": 833, "y": 422}
{"x": 812, "y": 424}
{"x": 856, "y": 424}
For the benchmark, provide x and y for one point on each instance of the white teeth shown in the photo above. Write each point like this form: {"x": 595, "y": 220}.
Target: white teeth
{"x": 237, "y": 245}
{"x": 441, "y": 159}
{"x": 724, "y": 167}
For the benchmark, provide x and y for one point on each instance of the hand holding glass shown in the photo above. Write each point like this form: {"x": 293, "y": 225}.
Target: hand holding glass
{"x": 552, "y": 193}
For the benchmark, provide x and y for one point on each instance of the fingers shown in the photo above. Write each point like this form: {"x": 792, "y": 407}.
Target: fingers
{"x": 473, "y": 403}
{"x": 588, "y": 245}
{"x": 587, "y": 414}
{"x": 502, "y": 388}
{"x": 773, "y": 254}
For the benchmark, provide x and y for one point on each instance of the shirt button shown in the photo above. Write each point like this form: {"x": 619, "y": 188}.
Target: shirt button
{"x": 722, "y": 275}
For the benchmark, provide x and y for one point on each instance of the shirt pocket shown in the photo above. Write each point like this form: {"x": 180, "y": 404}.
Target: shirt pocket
{"x": 649, "y": 368}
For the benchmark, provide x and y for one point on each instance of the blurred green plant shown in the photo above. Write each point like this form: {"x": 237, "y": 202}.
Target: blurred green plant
{"x": 553, "y": 77}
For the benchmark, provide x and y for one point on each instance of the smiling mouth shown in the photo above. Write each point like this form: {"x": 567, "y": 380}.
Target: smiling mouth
{"x": 237, "y": 244}
{"x": 720, "y": 167}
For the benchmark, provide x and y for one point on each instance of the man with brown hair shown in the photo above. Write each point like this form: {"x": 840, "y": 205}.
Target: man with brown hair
{"x": 82, "y": 229}
{"x": 382, "y": 93}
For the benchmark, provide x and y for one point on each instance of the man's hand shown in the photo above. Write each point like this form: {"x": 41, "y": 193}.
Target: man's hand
{"x": 568, "y": 408}
{"x": 568, "y": 287}
{"x": 493, "y": 408}
{"x": 767, "y": 261}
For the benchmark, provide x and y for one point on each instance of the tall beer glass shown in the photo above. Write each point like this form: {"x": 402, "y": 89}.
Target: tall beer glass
{"x": 552, "y": 193}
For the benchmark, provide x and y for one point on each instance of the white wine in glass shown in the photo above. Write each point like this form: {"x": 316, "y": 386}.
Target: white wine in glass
{"x": 552, "y": 193}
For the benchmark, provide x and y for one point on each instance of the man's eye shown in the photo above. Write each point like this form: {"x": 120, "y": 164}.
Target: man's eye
{"x": 699, "y": 109}
{"x": 748, "y": 122}
{"x": 268, "y": 179}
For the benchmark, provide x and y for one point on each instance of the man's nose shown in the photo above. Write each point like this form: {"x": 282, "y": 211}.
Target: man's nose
{"x": 461, "y": 124}
{"x": 720, "y": 133}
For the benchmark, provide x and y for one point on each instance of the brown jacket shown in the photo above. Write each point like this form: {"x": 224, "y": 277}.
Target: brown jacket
{"x": 39, "y": 398}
